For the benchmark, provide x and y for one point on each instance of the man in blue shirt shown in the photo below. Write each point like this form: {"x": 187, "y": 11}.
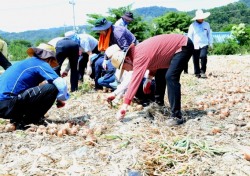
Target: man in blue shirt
{"x": 30, "y": 87}
{"x": 201, "y": 35}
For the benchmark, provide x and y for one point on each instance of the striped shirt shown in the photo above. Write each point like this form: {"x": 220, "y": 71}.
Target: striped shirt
{"x": 152, "y": 54}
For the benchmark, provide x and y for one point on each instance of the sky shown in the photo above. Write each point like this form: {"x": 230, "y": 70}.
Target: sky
{"x": 23, "y": 15}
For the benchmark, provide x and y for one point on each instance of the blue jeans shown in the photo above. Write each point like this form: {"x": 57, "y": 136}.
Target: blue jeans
{"x": 105, "y": 81}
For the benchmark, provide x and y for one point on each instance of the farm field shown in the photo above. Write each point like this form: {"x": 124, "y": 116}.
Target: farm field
{"x": 84, "y": 138}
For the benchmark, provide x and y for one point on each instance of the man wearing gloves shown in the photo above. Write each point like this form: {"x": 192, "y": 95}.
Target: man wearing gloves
{"x": 171, "y": 51}
{"x": 67, "y": 47}
{"x": 88, "y": 45}
{"x": 30, "y": 87}
{"x": 201, "y": 35}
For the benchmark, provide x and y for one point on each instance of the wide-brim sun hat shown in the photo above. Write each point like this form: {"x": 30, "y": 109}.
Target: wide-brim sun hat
{"x": 117, "y": 57}
{"x": 199, "y": 14}
{"x": 101, "y": 24}
{"x": 128, "y": 16}
{"x": 44, "y": 51}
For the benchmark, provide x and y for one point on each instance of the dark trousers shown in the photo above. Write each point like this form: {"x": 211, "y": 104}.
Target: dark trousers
{"x": 67, "y": 48}
{"x": 31, "y": 105}
{"x": 82, "y": 62}
{"x": 200, "y": 54}
{"x": 4, "y": 61}
{"x": 172, "y": 79}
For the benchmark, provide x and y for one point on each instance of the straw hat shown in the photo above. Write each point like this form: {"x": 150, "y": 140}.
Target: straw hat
{"x": 117, "y": 57}
{"x": 200, "y": 15}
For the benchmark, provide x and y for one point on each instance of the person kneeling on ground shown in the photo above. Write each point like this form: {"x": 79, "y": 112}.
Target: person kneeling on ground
{"x": 30, "y": 87}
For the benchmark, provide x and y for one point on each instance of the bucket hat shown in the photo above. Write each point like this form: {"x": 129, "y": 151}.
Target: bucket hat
{"x": 101, "y": 24}
{"x": 128, "y": 16}
{"x": 200, "y": 15}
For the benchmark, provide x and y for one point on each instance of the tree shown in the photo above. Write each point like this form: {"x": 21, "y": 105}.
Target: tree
{"x": 17, "y": 49}
{"x": 170, "y": 22}
{"x": 139, "y": 28}
{"x": 241, "y": 34}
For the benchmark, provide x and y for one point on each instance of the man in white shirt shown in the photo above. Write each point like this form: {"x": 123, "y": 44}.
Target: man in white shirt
{"x": 201, "y": 35}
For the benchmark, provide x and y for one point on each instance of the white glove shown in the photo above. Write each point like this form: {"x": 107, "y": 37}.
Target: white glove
{"x": 89, "y": 70}
{"x": 104, "y": 64}
{"x": 61, "y": 85}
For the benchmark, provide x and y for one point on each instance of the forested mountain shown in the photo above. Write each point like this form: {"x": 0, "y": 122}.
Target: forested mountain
{"x": 247, "y": 2}
{"x": 34, "y": 35}
{"x": 148, "y": 13}
{"x": 220, "y": 18}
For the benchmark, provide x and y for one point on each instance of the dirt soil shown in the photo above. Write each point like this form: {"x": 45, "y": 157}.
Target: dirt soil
{"x": 86, "y": 139}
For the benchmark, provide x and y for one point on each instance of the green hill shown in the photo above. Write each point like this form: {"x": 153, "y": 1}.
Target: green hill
{"x": 234, "y": 13}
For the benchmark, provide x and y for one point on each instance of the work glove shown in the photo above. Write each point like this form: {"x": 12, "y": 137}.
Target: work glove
{"x": 147, "y": 85}
{"x": 110, "y": 98}
{"x": 120, "y": 114}
{"x": 64, "y": 74}
{"x": 104, "y": 64}
{"x": 60, "y": 104}
{"x": 89, "y": 70}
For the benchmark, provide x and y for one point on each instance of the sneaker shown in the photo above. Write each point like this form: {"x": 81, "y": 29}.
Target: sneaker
{"x": 197, "y": 75}
{"x": 203, "y": 75}
{"x": 174, "y": 121}
{"x": 159, "y": 103}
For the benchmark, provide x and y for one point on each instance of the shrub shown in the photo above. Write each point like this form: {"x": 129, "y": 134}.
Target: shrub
{"x": 17, "y": 50}
{"x": 229, "y": 47}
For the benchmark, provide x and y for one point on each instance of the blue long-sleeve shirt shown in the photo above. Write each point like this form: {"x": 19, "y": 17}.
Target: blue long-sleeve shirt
{"x": 24, "y": 75}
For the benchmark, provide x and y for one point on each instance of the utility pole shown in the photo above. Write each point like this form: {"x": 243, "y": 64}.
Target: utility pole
{"x": 73, "y": 4}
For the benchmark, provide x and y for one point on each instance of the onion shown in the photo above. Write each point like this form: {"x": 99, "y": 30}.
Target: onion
{"x": 139, "y": 107}
{"x": 52, "y": 131}
{"x": 10, "y": 128}
{"x": 247, "y": 155}
{"x": 216, "y": 130}
{"x": 225, "y": 112}
{"x": 60, "y": 133}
